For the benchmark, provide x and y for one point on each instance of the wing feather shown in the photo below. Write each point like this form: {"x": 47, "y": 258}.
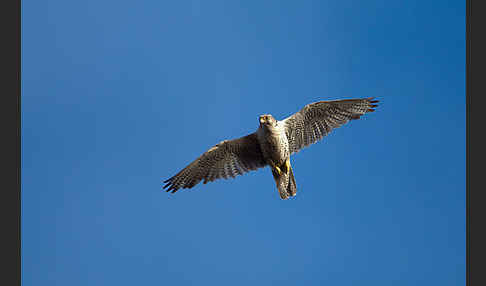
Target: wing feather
{"x": 226, "y": 159}
{"x": 316, "y": 120}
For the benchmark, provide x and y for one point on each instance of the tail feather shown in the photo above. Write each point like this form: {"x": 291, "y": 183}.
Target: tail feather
{"x": 285, "y": 184}
{"x": 292, "y": 187}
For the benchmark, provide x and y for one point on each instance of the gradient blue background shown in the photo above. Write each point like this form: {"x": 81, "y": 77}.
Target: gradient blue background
{"x": 120, "y": 95}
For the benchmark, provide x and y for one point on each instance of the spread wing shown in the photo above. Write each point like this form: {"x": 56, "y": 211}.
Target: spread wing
{"x": 317, "y": 119}
{"x": 226, "y": 159}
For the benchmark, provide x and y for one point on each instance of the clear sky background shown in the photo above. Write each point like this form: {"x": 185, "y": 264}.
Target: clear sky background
{"x": 118, "y": 96}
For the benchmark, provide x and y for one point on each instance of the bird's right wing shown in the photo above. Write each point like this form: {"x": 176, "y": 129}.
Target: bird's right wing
{"x": 317, "y": 119}
{"x": 226, "y": 159}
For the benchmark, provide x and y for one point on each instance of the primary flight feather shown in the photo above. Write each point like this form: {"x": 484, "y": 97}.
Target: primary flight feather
{"x": 272, "y": 144}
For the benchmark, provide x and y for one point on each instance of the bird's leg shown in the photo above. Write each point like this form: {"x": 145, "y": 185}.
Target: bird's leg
{"x": 286, "y": 166}
{"x": 276, "y": 168}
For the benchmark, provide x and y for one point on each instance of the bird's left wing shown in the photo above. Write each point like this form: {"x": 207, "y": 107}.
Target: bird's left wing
{"x": 226, "y": 159}
{"x": 317, "y": 119}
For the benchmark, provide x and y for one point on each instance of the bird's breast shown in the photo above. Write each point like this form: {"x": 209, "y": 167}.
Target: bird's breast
{"x": 274, "y": 144}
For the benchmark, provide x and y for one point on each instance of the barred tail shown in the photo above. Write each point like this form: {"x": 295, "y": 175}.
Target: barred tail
{"x": 292, "y": 187}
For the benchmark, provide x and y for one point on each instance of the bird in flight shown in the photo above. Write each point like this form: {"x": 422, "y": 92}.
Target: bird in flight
{"x": 271, "y": 144}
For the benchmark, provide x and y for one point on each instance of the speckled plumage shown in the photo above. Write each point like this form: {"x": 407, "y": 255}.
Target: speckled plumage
{"x": 276, "y": 151}
{"x": 272, "y": 144}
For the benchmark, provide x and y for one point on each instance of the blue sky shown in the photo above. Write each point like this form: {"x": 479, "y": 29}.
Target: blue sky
{"x": 117, "y": 96}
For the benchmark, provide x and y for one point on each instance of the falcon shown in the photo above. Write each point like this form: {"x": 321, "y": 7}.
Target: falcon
{"x": 271, "y": 145}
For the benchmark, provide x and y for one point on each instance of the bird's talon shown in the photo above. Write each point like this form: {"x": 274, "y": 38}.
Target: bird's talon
{"x": 287, "y": 166}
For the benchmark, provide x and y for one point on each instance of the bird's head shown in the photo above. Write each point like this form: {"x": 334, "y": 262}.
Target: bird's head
{"x": 267, "y": 120}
